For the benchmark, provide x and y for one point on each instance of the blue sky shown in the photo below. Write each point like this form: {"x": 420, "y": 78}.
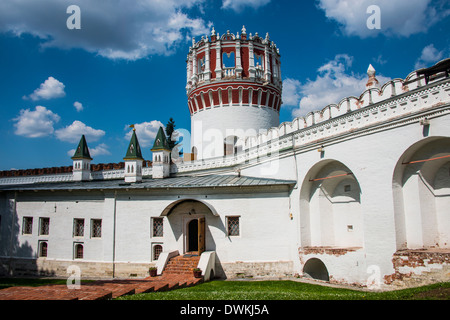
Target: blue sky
{"x": 126, "y": 65}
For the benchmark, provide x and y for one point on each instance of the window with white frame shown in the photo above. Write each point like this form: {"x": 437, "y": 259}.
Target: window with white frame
{"x": 43, "y": 248}
{"x": 233, "y": 225}
{"x": 44, "y": 226}
{"x": 78, "y": 227}
{"x": 157, "y": 227}
{"x": 78, "y": 251}
{"x": 96, "y": 228}
{"x": 27, "y": 227}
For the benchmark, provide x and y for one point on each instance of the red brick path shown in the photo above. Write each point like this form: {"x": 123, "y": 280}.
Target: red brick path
{"x": 107, "y": 289}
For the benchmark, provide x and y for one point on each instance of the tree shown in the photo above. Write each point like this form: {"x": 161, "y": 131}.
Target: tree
{"x": 170, "y": 128}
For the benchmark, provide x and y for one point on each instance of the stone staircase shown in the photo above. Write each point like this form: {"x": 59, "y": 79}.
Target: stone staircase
{"x": 181, "y": 265}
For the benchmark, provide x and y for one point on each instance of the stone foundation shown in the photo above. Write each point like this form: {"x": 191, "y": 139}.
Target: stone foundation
{"x": 19, "y": 267}
{"x": 245, "y": 270}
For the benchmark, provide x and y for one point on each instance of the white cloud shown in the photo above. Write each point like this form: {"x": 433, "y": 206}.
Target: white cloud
{"x": 333, "y": 83}
{"x": 145, "y": 131}
{"x": 429, "y": 56}
{"x": 51, "y": 88}
{"x": 78, "y": 106}
{"x": 291, "y": 94}
{"x": 239, "y": 5}
{"x": 399, "y": 17}
{"x": 115, "y": 29}
{"x": 101, "y": 149}
{"x": 73, "y": 132}
{"x": 35, "y": 124}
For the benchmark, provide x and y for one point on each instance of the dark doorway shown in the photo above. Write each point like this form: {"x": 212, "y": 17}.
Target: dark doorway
{"x": 193, "y": 235}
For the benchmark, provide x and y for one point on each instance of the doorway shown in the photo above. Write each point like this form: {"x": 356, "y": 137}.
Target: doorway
{"x": 195, "y": 243}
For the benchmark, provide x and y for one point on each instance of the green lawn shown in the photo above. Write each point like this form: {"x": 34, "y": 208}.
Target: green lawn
{"x": 264, "y": 290}
{"x": 289, "y": 290}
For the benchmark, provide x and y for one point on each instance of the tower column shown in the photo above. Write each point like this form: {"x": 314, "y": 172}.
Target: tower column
{"x": 251, "y": 61}
{"x": 238, "y": 59}
{"x": 207, "y": 75}
{"x": 218, "y": 69}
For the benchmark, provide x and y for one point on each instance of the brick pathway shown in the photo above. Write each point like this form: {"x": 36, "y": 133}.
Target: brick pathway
{"x": 101, "y": 289}
{"x": 177, "y": 274}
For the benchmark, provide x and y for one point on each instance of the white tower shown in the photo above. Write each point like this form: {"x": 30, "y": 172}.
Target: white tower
{"x": 133, "y": 160}
{"x": 234, "y": 91}
{"x": 161, "y": 156}
{"x": 81, "y": 162}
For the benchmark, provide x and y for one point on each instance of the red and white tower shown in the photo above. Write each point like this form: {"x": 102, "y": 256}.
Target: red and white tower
{"x": 234, "y": 91}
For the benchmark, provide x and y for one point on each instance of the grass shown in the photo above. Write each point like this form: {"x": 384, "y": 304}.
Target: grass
{"x": 264, "y": 290}
{"x": 289, "y": 290}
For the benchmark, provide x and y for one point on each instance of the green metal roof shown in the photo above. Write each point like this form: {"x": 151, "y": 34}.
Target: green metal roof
{"x": 82, "y": 151}
{"x": 134, "y": 149}
{"x": 161, "y": 142}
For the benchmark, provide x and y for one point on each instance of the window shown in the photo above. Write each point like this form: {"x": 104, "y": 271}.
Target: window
{"x": 78, "y": 227}
{"x": 347, "y": 188}
{"x": 96, "y": 226}
{"x": 233, "y": 226}
{"x": 27, "y": 227}
{"x": 43, "y": 249}
{"x": 157, "y": 227}
{"x": 79, "y": 251}
{"x": 44, "y": 226}
{"x": 157, "y": 249}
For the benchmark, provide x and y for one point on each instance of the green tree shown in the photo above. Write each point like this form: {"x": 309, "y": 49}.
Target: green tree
{"x": 170, "y": 128}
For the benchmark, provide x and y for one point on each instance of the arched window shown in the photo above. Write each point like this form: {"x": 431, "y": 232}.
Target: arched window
{"x": 43, "y": 249}
{"x": 157, "y": 249}
{"x": 228, "y": 60}
{"x": 79, "y": 251}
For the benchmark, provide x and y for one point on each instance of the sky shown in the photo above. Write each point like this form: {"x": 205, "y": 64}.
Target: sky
{"x": 106, "y": 64}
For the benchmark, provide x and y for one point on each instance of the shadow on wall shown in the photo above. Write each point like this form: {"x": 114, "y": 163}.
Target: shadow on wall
{"x": 18, "y": 257}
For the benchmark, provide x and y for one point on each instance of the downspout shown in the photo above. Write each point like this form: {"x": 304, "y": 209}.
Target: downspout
{"x": 114, "y": 238}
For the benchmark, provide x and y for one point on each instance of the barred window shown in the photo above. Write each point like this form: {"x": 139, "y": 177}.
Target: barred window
{"x": 233, "y": 226}
{"x": 96, "y": 231}
{"x": 78, "y": 227}
{"x": 79, "y": 251}
{"x": 157, "y": 227}
{"x": 27, "y": 227}
{"x": 157, "y": 249}
{"x": 43, "y": 249}
{"x": 44, "y": 226}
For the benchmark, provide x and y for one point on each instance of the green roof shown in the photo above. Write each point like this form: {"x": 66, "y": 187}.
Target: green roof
{"x": 134, "y": 149}
{"x": 82, "y": 151}
{"x": 161, "y": 142}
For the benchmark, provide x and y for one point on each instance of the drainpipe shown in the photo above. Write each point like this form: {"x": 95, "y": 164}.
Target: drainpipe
{"x": 114, "y": 238}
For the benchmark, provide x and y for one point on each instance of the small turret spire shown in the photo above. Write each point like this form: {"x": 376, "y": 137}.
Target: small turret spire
{"x": 372, "y": 82}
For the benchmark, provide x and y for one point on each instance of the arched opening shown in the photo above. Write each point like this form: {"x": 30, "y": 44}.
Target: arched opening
{"x": 330, "y": 206}
{"x": 189, "y": 220}
{"x": 314, "y": 268}
{"x": 230, "y": 145}
{"x": 421, "y": 190}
